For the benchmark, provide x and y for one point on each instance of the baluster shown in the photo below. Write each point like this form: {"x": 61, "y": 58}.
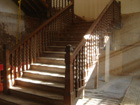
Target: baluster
{"x": 45, "y": 38}
{"x": 35, "y": 48}
{"x": 6, "y": 65}
{"x": 42, "y": 40}
{"x": 15, "y": 76}
{"x": 56, "y": 4}
{"x": 77, "y": 85}
{"x": 53, "y": 4}
{"x": 83, "y": 65}
{"x": 23, "y": 57}
{"x": 18, "y": 61}
{"x": 27, "y": 55}
{"x": 79, "y": 68}
{"x": 31, "y": 51}
{"x": 65, "y": 3}
{"x": 37, "y": 44}
{"x": 40, "y": 43}
{"x": 59, "y": 4}
{"x": 11, "y": 67}
{"x": 62, "y": 4}
{"x": 74, "y": 81}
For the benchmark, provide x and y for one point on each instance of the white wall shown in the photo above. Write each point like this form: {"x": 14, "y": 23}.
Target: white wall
{"x": 90, "y": 9}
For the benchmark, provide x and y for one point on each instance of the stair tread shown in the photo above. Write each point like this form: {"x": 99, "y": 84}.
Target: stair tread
{"x": 58, "y": 46}
{"x": 51, "y": 58}
{"x": 45, "y": 73}
{"x": 58, "y": 52}
{"x": 16, "y": 100}
{"x": 37, "y": 92}
{"x": 66, "y": 41}
{"x": 49, "y": 65}
{"x": 38, "y": 82}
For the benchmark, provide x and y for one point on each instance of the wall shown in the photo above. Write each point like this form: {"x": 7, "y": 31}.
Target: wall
{"x": 8, "y": 17}
{"x": 130, "y": 6}
{"x": 9, "y": 23}
{"x": 90, "y": 9}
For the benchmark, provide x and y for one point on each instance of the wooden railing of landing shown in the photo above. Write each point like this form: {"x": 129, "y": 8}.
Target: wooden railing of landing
{"x": 85, "y": 55}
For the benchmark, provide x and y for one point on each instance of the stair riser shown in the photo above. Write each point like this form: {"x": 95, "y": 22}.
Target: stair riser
{"x": 57, "y": 55}
{"x": 44, "y": 78}
{"x": 49, "y": 61}
{"x": 70, "y": 38}
{"x": 4, "y": 102}
{"x": 55, "y": 49}
{"x": 35, "y": 98}
{"x": 55, "y": 90}
{"x": 75, "y": 31}
{"x": 64, "y": 44}
{"x": 48, "y": 69}
{"x": 72, "y": 34}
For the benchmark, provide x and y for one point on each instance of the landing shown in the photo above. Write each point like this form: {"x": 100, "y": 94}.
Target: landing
{"x": 111, "y": 93}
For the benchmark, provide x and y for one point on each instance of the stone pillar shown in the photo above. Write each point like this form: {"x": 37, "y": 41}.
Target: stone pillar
{"x": 107, "y": 61}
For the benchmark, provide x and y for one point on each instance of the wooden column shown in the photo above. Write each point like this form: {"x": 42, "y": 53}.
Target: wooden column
{"x": 5, "y": 69}
{"x": 68, "y": 98}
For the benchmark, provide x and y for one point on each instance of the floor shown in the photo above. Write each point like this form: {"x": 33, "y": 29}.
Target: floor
{"x": 132, "y": 96}
{"x": 110, "y": 93}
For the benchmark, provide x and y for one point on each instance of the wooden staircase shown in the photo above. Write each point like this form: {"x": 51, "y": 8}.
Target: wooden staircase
{"x": 50, "y": 66}
{"x": 44, "y": 82}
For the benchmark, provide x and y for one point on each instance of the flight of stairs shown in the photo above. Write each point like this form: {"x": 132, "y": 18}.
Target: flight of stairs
{"x": 44, "y": 82}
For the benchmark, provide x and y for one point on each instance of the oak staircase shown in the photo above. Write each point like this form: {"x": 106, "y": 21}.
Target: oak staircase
{"x": 49, "y": 67}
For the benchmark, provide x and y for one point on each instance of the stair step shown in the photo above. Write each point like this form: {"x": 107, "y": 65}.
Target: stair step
{"x": 53, "y": 87}
{"x": 44, "y": 76}
{"x": 54, "y": 54}
{"x": 56, "y": 48}
{"x": 12, "y": 100}
{"x": 71, "y": 38}
{"x": 50, "y": 60}
{"x": 42, "y": 97}
{"x": 48, "y": 68}
{"x": 65, "y": 43}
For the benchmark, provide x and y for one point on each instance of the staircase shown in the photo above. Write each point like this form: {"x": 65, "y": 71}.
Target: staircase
{"x": 50, "y": 66}
{"x": 44, "y": 82}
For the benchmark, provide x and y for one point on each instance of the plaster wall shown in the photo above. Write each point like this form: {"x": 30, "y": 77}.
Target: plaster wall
{"x": 130, "y": 6}
{"x": 9, "y": 17}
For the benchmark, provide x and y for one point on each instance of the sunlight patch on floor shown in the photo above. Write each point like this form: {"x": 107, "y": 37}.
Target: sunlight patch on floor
{"x": 89, "y": 101}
